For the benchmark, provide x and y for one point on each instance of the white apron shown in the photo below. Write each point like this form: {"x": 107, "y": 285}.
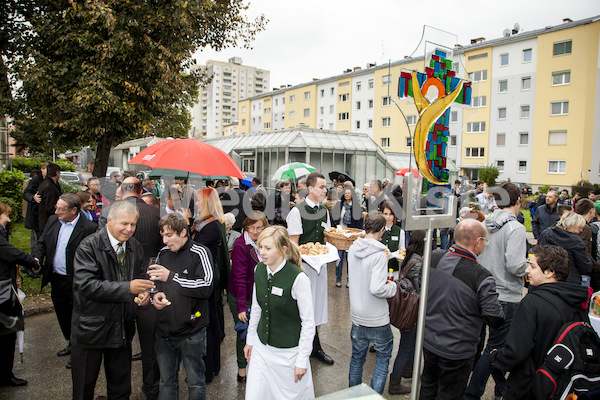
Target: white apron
{"x": 318, "y": 288}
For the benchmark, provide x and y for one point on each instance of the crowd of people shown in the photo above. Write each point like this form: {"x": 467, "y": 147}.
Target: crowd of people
{"x": 164, "y": 257}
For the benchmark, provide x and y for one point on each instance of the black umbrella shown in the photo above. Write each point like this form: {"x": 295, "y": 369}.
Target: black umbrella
{"x": 335, "y": 174}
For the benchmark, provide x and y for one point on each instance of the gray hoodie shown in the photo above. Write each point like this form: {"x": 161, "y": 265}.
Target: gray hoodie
{"x": 505, "y": 255}
{"x": 369, "y": 288}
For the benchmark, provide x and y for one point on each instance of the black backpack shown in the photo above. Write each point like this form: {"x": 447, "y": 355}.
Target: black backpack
{"x": 572, "y": 364}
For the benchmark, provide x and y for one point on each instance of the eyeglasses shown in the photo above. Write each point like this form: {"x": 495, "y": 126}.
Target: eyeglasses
{"x": 255, "y": 229}
{"x": 484, "y": 240}
{"x": 63, "y": 209}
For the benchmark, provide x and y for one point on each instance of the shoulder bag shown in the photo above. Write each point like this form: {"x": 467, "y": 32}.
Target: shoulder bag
{"x": 404, "y": 306}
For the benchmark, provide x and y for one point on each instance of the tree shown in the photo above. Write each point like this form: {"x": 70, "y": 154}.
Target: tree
{"x": 104, "y": 71}
{"x": 489, "y": 174}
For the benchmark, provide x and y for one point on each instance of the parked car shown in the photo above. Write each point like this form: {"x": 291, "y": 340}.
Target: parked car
{"x": 73, "y": 177}
{"x": 110, "y": 170}
{"x": 525, "y": 188}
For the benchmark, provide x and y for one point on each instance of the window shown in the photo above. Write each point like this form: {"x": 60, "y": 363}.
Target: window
{"x": 267, "y": 125}
{"x": 559, "y": 108}
{"x": 371, "y": 83}
{"x": 248, "y": 165}
{"x": 357, "y": 124}
{"x": 562, "y": 48}
{"x": 478, "y": 76}
{"x": 267, "y": 111}
{"x": 475, "y": 127}
{"x": 322, "y": 110}
{"x": 322, "y": 92}
{"x": 500, "y": 165}
{"x": 411, "y": 120}
{"x": 503, "y": 86}
{"x": 504, "y": 59}
{"x": 479, "y": 101}
{"x": 522, "y": 166}
{"x": 343, "y": 97}
{"x": 453, "y": 140}
{"x": 526, "y": 83}
{"x": 561, "y": 78}
{"x": 342, "y": 116}
{"x": 456, "y": 67}
{"x": 525, "y": 111}
{"x": 523, "y": 138}
{"x": 358, "y": 86}
{"x": 306, "y": 95}
{"x": 557, "y": 138}
{"x": 474, "y": 152}
{"x": 453, "y": 116}
{"x": 478, "y": 56}
{"x": 283, "y": 100}
{"x": 292, "y": 98}
{"x": 385, "y": 142}
{"x": 332, "y": 91}
{"x": 358, "y": 105}
{"x": 292, "y": 114}
{"x": 344, "y": 83}
{"x": 501, "y": 112}
{"x": 370, "y": 123}
{"x": 306, "y": 112}
{"x": 243, "y": 108}
{"x": 331, "y": 110}
{"x": 557, "y": 166}
{"x": 276, "y": 102}
{"x": 386, "y": 101}
{"x": 371, "y": 103}
{"x": 243, "y": 122}
{"x": 387, "y": 80}
{"x": 527, "y": 55}
{"x": 500, "y": 139}
{"x": 385, "y": 121}
{"x": 409, "y": 142}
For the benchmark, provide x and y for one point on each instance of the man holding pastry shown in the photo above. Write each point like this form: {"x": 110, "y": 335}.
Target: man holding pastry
{"x": 184, "y": 281}
{"x": 306, "y": 223}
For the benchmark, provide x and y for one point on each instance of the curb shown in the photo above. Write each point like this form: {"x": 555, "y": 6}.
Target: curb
{"x": 38, "y": 309}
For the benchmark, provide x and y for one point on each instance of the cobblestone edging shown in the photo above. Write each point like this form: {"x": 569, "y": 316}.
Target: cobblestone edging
{"x": 38, "y": 309}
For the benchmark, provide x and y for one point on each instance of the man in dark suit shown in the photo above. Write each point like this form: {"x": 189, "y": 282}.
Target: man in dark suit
{"x": 50, "y": 191}
{"x": 55, "y": 250}
{"x": 233, "y": 201}
{"x": 148, "y": 235}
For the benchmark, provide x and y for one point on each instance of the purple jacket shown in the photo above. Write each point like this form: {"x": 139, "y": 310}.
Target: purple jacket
{"x": 241, "y": 280}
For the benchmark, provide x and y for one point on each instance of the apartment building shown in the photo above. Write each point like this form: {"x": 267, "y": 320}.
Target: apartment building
{"x": 217, "y": 104}
{"x": 534, "y": 113}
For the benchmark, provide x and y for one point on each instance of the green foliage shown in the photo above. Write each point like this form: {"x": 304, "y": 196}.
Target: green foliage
{"x": 544, "y": 189}
{"x": 26, "y": 164}
{"x": 68, "y": 187}
{"x": 527, "y": 222}
{"x": 489, "y": 174}
{"x": 20, "y": 238}
{"x": 11, "y": 188}
{"x": 104, "y": 71}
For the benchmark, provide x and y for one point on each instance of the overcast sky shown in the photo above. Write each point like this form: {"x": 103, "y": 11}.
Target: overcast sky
{"x": 321, "y": 38}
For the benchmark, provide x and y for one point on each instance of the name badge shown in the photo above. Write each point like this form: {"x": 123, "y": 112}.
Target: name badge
{"x": 277, "y": 291}
{"x": 324, "y": 224}
{"x": 395, "y": 238}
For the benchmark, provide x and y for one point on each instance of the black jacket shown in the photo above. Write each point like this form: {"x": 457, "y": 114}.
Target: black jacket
{"x": 146, "y": 230}
{"x": 188, "y": 287}
{"x": 572, "y": 243}
{"x": 50, "y": 192}
{"x": 533, "y": 330}
{"x": 32, "y": 219}
{"x": 46, "y": 245}
{"x": 543, "y": 218}
{"x": 102, "y": 305}
{"x": 233, "y": 201}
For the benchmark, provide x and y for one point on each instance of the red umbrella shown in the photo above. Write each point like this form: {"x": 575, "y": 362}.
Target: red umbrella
{"x": 188, "y": 155}
{"x": 405, "y": 171}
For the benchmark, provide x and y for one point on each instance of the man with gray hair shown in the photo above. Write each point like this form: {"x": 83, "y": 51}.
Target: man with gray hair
{"x": 462, "y": 296}
{"x": 104, "y": 290}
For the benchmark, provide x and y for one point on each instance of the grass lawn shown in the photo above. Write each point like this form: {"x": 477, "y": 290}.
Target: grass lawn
{"x": 19, "y": 237}
{"x": 527, "y": 215}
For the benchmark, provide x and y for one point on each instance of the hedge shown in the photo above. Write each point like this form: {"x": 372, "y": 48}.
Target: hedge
{"x": 11, "y": 190}
{"x": 26, "y": 164}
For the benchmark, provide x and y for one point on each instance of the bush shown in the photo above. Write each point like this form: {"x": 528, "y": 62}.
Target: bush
{"x": 488, "y": 175}
{"x": 26, "y": 164}
{"x": 11, "y": 188}
{"x": 544, "y": 189}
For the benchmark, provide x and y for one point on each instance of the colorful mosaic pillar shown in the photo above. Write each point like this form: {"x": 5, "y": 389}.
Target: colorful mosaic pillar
{"x": 431, "y": 132}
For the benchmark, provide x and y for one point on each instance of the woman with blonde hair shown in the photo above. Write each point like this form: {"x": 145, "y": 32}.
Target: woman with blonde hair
{"x": 281, "y": 331}
{"x": 566, "y": 235}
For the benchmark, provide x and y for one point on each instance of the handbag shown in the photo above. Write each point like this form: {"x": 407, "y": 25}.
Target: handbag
{"x": 404, "y": 306}
{"x": 10, "y": 306}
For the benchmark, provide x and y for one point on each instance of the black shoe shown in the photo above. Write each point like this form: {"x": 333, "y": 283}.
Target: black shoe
{"x": 64, "y": 352}
{"x": 241, "y": 378}
{"x": 68, "y": 366}
{"x": 136, "y": 357}
{"x": 372, "y": 349}
{"x": 30, "y": 272}
{"x": 321, "y": 356}
{"x": 14, "y": 382}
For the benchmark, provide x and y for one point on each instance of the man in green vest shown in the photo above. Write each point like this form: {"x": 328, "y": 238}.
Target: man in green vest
{"x": 306, "y": 223}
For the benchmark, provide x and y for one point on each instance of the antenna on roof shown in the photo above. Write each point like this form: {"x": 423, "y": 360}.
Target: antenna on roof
{"x": 516, "y": 29}
{"x": 506, "y": 32}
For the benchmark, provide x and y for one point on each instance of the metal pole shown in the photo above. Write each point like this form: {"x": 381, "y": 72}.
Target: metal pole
{"x": 422, "y": 310}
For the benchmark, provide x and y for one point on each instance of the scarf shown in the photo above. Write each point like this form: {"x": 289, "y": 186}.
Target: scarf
{"x": 347, "y": 219}
{"x": 252, "y": 243}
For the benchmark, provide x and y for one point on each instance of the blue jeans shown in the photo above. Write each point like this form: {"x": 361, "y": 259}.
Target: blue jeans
{"x": 484, "y": 368}
{"x": 406, "y": 352}
{"x": 340, "y": 265}
{"x": 191, "y": 351}
{"x": 383, "y": 341}
{"x": 444, "y": 244}
{"x": 444, "y": 379}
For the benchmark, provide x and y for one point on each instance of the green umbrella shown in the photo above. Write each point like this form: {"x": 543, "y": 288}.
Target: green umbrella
{"x": 292, "y": 171}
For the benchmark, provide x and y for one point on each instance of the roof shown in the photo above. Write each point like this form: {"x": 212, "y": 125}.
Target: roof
{"x": 146, "y": 141}
{"x": 297, "y": 138}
